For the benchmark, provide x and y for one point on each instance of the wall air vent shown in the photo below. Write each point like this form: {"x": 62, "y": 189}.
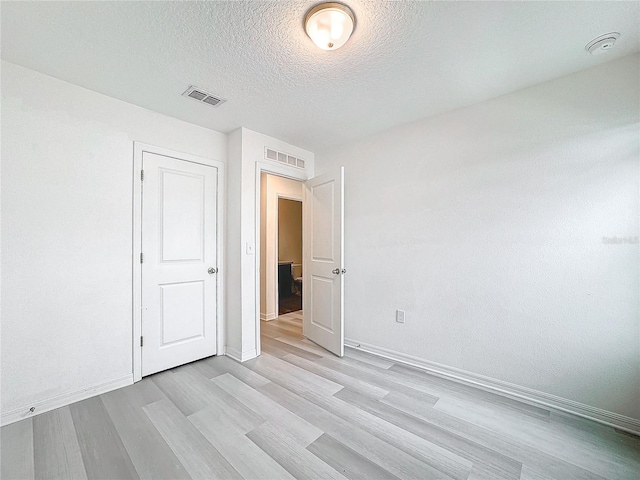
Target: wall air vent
{"x": 202, "y": 96}
{"x": 284, "y": 158}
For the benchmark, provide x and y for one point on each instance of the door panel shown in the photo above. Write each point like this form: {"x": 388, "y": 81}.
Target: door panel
{"x": 182, "y": 216}
{"x": 323, "y": 310}
{"x": 322, "y": 314}
{"x": 179, "y": 325}
{"x": 322, "y": 242}
{"x": 179, "y": 245}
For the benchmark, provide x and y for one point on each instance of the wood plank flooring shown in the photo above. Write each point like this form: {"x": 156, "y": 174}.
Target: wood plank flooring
{"x": 297, "y": 411}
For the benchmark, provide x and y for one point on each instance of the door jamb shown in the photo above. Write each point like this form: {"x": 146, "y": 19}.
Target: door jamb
{"x": 138, "y": 150}
{"x": 279, "y": 171}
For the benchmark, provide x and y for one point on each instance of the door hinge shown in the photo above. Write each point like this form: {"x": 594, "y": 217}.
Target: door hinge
{"x": 142, "y": 175}
{"x": 141, "y": 257}
{"x": 141, "y": 341}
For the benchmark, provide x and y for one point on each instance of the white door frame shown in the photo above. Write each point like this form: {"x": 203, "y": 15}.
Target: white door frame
{"x": 138, "y": 150}
{"x": 277, "y": 249}
{"x": 284, "y": 171}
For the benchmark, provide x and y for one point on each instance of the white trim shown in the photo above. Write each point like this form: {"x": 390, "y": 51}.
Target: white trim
{"x": 505, "y": 389}
{"x": 57, "y": 401}
{"x": 249, "y": 354}
{"x": 136, "y": 366}
{"x": 268, "y": 317}
{"x": 285, "y": 171}
{"x": 240, "y": 357}
{"x": 233, "y": 353}
{"x": 138, "y": 149}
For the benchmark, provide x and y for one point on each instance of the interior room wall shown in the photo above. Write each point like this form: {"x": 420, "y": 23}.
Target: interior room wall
{"x": 247, "y": 150}
{"x": 273, "y": 187}
{"x": 290, "y": 233}
{"x": 508, "y": 232}
{"x": 234, "y": 247}
{"x": 67, "y": 189}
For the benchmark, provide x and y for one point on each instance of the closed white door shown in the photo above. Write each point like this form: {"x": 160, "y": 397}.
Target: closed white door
{"x": 323, "y": 285}
{"x": 179, "y": 265}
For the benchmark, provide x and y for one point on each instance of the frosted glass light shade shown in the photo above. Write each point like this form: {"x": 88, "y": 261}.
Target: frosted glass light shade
{"x": 329, "y": 25}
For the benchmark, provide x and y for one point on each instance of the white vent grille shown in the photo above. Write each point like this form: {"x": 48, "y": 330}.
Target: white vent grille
{"x": 272, "y": 154}
{"x": 211, "y": 100}
{"x": 197, "y": 95}
{"x": 204, "y": 97}
{"x": 284, "y": 158}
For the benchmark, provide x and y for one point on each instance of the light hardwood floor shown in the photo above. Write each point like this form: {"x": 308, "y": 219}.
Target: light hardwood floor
{"x": 299, "y": 412}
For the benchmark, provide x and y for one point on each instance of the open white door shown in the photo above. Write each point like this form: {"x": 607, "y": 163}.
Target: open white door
{"x": 323, "y": 285}
{"x": 179, "y": 264}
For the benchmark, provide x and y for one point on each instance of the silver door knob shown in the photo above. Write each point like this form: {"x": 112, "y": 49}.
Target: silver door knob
{"x": 212, "y": 270}
{"x": 336, "y": 271}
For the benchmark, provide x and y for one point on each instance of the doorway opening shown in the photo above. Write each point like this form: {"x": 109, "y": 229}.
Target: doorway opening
{"x": 322, "y": 271}
{"x": 289, "y": 255}
{"x": 281, "y": 256}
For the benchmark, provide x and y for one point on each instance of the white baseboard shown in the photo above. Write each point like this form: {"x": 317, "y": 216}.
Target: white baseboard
{"x": 233, "y": 353}
{"x": 506, "y": 389}
{"x": 267, "y": 317}
{"x": 63, "y": 399}
{"x": 241, "y": 356}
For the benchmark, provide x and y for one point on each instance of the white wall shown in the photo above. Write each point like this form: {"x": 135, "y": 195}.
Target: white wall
{"x": 233, "y": 278}
{"x": 486, "y": 225}
{"x": 67, "y": 234}
{"x": 274, "y": 187}
{"x": 246, "y": 154}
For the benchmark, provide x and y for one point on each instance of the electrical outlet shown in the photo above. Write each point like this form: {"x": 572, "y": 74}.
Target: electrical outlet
{"x": 400, "y": 316}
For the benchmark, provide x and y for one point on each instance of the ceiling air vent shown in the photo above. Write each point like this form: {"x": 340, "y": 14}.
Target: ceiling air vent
{"x": 272, "y": 154}
{"x": 202, "y": 96}
{"x": 281, "y": 157}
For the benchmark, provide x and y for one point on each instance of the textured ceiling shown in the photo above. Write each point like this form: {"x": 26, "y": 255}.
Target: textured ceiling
{"x": 405, "y": 61}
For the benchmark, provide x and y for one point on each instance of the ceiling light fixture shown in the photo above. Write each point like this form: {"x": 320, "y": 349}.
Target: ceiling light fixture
{"x": 329, "y": 25}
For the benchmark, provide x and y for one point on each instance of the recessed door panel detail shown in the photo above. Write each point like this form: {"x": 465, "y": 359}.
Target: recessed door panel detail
{"x": 182, "y": 215}
{"x": 322, "y": 302}
{"x": 182, "y": 312}
{"x": 323, "y": 211}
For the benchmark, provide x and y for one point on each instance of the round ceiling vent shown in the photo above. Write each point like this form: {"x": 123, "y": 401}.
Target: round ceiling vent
{"x": 602, "y": 44}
